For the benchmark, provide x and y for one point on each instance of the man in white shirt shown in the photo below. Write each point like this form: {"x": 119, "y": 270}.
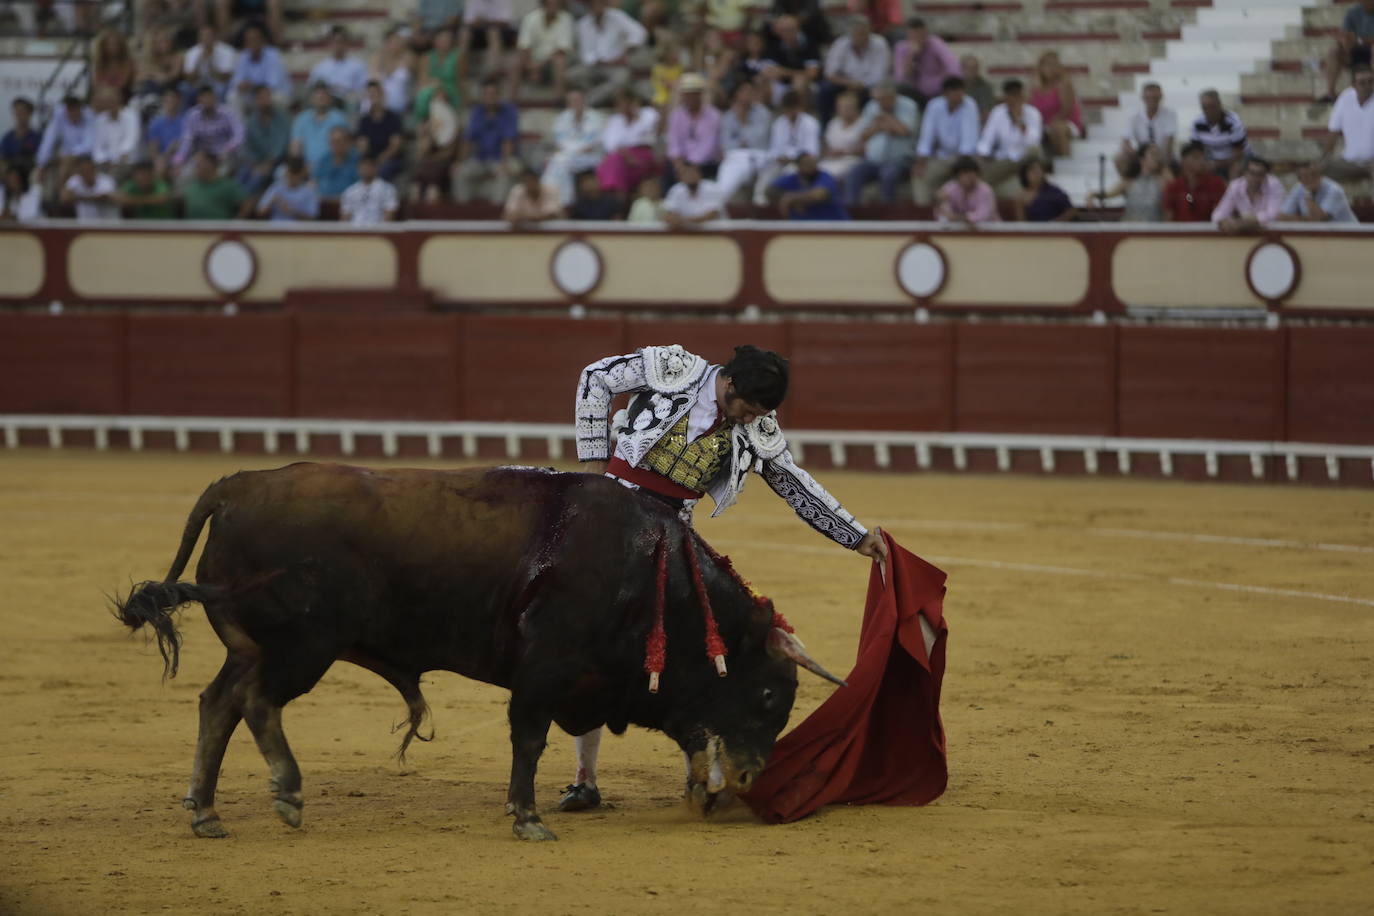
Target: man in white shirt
{"x": 795, "y": 133}
{"x": 91, "y": 192}
{"x": 491, "y": 21}
{"x": 345, "y": 76}
{"x": 370, "y": 200}
{"x": 1352, "y": 120}
{"x": 117, "y": 132}
{"x": 577, "y": 133}
{"x": 605, "y": 38}
{"x": 544, "y": 44}
{"x": 1011, "y": 136}
{"x": 1153, "y": 124}
{"x": 693, "y": 200}
{"x": 210, "y": 61}
{"x": 857, "y": 61}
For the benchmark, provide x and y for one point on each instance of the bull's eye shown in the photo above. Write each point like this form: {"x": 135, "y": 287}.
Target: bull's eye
{"x": 768, "y": 697}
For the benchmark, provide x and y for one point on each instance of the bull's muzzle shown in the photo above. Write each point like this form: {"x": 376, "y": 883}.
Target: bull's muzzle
{"x": 716, "y": 776}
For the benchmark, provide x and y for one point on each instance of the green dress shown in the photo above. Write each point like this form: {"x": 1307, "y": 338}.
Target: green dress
{"x": 445, "y": 70}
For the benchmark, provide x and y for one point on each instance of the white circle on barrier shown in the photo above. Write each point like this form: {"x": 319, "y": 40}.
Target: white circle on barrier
{"x": 1272, "y": 270}
{"x": 921, "y": 269}
{"x": 230, "y": 266}
{"x": 576, "y": 268}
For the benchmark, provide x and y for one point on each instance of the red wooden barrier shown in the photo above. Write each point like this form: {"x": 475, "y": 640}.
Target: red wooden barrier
{"x": 70, "y": 364}
{"x": 210, "y": 365}
{"x": 1330, "y": 384}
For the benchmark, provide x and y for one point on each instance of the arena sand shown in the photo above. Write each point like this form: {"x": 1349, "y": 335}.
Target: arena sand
{"x": 1118, "y": 742}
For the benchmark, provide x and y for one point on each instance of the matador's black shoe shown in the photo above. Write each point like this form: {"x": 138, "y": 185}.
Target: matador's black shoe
{"x": 580, "y": 797}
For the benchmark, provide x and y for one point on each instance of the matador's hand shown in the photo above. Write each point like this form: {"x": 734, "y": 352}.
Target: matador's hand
{"x": 875, "y": 547}
{"x": 594, "y": 467}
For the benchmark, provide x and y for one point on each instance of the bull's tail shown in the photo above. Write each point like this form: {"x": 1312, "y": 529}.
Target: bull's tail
{"x": 154, "y": 603}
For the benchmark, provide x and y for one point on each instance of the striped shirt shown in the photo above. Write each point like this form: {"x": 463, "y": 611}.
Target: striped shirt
{"x": 1222, "y": 139}
{"x": 218, "y": 131}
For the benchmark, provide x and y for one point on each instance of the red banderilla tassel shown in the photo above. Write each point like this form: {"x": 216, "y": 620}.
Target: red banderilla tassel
{"x": 656, "y": 645}
{"x": 715, "y": 648}
{"x": 781, "y": 623}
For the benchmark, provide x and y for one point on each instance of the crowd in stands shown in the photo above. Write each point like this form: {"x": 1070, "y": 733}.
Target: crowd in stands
{"x": 199, "y": 119}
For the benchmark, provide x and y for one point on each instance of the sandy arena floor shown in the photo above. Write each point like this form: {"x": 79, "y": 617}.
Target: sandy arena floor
{"x": 1159, "y": 700}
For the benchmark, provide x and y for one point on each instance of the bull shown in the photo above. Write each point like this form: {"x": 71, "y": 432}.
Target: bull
{"x": 548, "y": 584}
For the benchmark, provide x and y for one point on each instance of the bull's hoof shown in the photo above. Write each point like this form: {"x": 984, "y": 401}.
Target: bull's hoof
{"x": 581, "y": 797}
{"x": 209, "y": 828}
{"x": 532, "y": 830}
{"x": 289, "y": 811}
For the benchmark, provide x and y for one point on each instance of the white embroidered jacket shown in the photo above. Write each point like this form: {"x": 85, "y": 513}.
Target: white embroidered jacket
{"x": 672, "y": 379}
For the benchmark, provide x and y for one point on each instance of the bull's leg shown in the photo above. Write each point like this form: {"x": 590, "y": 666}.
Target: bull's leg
{"x": 264, "y": 719}
{"x": 529, "y": 732}
{"x": 219, "y": 716}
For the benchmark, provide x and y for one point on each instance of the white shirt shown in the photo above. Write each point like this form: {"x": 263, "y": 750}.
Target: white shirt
{"x": 343, "y": 77}
{"x": 621, "y": 133}
{"x": 364, "y": 204}
{"x": 610, "y": 40}
{"x": 576, "y": 137}
{"x": 488, "y": 11}
{"x": 684, "y": 203}
{"x": 543, "y": 40}
{"x": 87, "y": 209}
{"x": 1002, "y": 140}
{"x": 1355, "y": 122}
{"x": 704, "y": 412}
{"x": 870, "y": 68}
{"x": 789, "y": 139}
{"x": 1142, "y": 129}
{"x": 28, "y": 207}
{"x": 223, "y": 57}
{"x": 117, "y": 136}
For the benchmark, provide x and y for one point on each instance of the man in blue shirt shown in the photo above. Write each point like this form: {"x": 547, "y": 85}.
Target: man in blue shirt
{"x": 1315, "y": 199}
{"x": 337, "y": 169}
{"x": 310, "y": 130}
{"x": 949, "y": 131}
{"x": 71, "y": 132}
{"x": 488, "y": 151}
{"x": 165, "y": 129}
{"x": 808, "y": 193}
{"x": 266, "y": 134}
{"x": 260, "y": 64}
{"x": 292, "y": 196}
{"x": 889, "y": 135}
{"x": 19, "y": 146}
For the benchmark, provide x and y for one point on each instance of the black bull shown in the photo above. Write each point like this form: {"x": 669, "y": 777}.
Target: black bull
{"x": 540, "y": 582}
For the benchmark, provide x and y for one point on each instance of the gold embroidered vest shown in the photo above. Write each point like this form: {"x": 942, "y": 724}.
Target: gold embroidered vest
{"x": 689, "y": 464}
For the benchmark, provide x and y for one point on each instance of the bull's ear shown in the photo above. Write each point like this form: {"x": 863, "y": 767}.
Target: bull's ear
{"x": 782, "y": 644}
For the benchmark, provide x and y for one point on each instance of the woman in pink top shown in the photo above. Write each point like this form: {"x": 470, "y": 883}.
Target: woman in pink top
{"x": 1054, "y": 97}
{"x": 629, "y": 142}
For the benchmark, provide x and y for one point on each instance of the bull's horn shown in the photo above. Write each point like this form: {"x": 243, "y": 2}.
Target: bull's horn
{"x": 781, "y": 642}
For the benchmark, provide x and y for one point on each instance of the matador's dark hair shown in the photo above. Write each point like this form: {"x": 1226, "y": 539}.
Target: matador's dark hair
{"x": 758, "y": 376}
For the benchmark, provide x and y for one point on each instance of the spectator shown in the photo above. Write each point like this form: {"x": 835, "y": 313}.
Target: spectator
{"x": 976, "y": 86}
{"x": 648, "y": 206}
{"x": 889, "y": 135}
{"x": 577, "y": 133}
{"x": 147, "y": 196}
{"x": 210, "y": 62}
{"x": 1143, "y": 178}
{"x": 791, "y": 59}
{"x": 949, "y": 132}
{"x": 112, "y": 66}
{"x": 1352, "y": 45}
{"x": 729, "y": 18}
{"x": 693, "y": 129}
{"x": 1152, "y": 124}
{"x": 794, "y": 134}
{"x": 292, "y": 196}
{"x": 544, "y": 45}
{"x": 744, "y": 135}
{"x": 165, "y": 130}
{"x": 1251, "y": 201}
{"x": 20, "y": 199}
{"x": 531, "y": 201}
{"x": 882, "y": 15}
{"x": 808, "y": 193}
{"x": 209, "y": 127}
{"x": 488, "y": 25}
{"x": 712, "y": 58}
{"x": 809, "y": 16}
{"x": 488, "y": 150}
{"x": 381, "y": 133}
{"x": 371, "y": 199}
{"x": 344, "y": 74}
{"x": 629, "y": 143}
{"x": 436, "y": 149}
{"x": 843, "y": 146}
{"x": 922, "y": 62}
{"x": 1012, "y": 135}
{"x": 1352, "y": 120}
{"x": 441, "y": 71}
{"x": 70, "y": 133}
{"x": 1039, "y": 200}
{"x": 1054, "y": 97}
{"x": 430, "y": 17}
{"x": 160, "y": 64}
{"x": 1222, "y": 134}
{"x": 337, "y": 170}
{"x": 266, "y": 137}
{"x": 394, "y": 68}
{"x": 1316, "y": 199}
{"x": 591, "y": 203}
{"x": 665, "y": 73}
{"x": 20, "y": 144}
{"x": 753, "y": 66}
{"x": 966, "y": 198}
{"x": 210, "y": 195}
{"x": 605, "y": 38}
{"x": 311, "y": 127}
{"x": 224, "y": 10}
{"x": 259, "y": 65}
{"x": 857, "y": 61}
{"x": 1195, "y": 193}
{"x": 693, "y": 200}
{"x": 118, "y": 132}
{"x": 91, "y": 192}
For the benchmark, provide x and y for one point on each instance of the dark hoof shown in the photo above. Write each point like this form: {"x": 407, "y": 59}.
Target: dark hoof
{"x": 289, "y": 811}
{"x": 532, "y": 830}
{"x": 210, "y": 828}
{"x": 580, "y": 797}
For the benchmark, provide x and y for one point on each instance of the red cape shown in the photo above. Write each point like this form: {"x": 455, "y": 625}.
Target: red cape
{"x": 879, "y": 740}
